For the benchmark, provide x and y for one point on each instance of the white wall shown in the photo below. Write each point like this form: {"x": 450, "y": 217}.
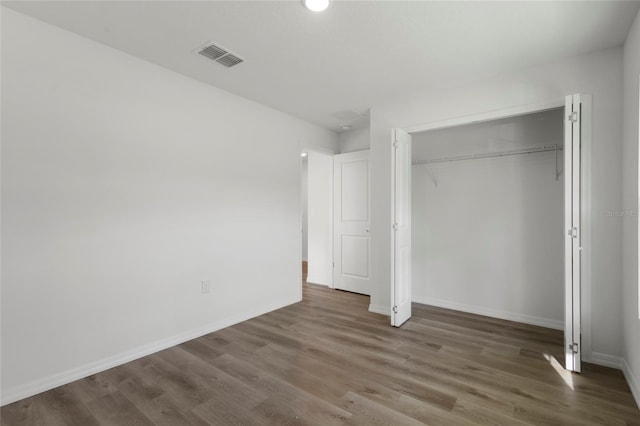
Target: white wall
{"x": 599, "y": 74}
{"x": 320, "y": 214}
{"x": 354, "y": 140}
{"x": 124, "y": 185}
{"x": 488, "y": 239}
{"x": 631, "y": 323}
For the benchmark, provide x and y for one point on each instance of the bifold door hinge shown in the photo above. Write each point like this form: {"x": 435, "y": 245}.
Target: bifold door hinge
{"x": 573, "y": 232}
{"x": 573, "y": 117}
{"x": 395, "y": 309}
{"x": 395, "y": 226}
{"x": 573, "y": 347}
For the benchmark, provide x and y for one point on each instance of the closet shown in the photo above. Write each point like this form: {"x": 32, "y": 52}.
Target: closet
{"x": 488, "y": 218}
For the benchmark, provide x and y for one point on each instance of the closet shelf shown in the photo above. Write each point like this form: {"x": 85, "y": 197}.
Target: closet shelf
{"x": 529, "y": 150}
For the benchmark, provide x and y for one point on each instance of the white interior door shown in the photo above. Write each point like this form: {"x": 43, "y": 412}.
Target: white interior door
{"x": 573, "y": 236}
{"x": 401, "y": 251}
{"x": 352, "y": 241}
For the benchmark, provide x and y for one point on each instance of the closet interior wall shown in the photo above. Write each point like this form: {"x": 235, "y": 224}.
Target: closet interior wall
{"x": 487, "y": 232}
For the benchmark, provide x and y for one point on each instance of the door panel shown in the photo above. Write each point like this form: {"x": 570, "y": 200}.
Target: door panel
{"x": 352, "y": 243}
{"x": 401, "y": 256}
{"x": 355, "y": 190}
{"x": 573, "y": 231}
{"x": 355, "y": 256}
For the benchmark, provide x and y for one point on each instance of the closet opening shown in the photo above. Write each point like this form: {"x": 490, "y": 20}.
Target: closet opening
{"x": 488, "y": 219}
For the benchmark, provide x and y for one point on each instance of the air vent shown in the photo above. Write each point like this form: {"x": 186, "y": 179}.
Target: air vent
{"x": 213, "y": 52}
{"x": 220, "y": 55}
{"x": 229, "y": 60}
{"x": 350, "y": 115}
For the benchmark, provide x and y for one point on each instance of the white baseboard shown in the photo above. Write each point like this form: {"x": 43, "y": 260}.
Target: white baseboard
{"x": 631, "y": 380}
{"x": 605, "y": 360}
{"x": 479, "y": 310}
{"x": 26, "y": 390}
{"x": 317, "y": 280}
{"x": 383, "y": 310}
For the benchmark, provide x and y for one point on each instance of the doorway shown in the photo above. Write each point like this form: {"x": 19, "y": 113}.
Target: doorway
{"x": 317, "y": 216}
{"x": 304, "y": 213}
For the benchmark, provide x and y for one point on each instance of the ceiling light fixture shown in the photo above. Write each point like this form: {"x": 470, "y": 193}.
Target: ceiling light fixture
{"x": 316, "y": 5}
{"x": 304, "y": 154}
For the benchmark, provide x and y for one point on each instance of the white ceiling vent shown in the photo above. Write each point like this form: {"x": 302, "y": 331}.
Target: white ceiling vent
{"x": 350, "y": 115}
{"x": 219, "y": 54}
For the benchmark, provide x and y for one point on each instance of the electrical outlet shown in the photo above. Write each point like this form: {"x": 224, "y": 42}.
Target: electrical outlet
{"x": 205, "y": 287}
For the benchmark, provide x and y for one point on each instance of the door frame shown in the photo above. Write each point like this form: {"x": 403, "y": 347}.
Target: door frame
{"x": 308, "y": 148}
{"x": 585, "y": 181}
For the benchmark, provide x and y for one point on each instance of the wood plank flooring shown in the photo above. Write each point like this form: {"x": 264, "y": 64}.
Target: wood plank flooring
{"x": 327, "y": 361}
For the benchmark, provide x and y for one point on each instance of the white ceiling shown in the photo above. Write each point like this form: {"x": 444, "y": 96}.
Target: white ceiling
{"x": 530, "y": 130}
{"x": 353, "y": 55}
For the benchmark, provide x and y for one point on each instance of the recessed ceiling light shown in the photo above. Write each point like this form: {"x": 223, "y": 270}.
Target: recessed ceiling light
{"x": 304, "y": 154}
{"x": 316, "y": 5}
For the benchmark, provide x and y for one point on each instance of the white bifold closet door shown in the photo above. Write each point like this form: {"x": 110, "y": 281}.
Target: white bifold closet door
{"x": 573, "y": 236}
{"x": 352, "y": 239}
{"x": 401, "y": 228}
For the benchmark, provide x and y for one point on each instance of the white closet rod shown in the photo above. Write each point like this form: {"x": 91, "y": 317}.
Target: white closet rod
{"x": 530, "y": 150}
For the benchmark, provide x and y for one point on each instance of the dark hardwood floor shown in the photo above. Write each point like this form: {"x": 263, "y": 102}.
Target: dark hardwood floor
{"x": 328, "y": 361}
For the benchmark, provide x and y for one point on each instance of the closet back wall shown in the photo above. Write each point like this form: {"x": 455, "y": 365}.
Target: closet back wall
{"x": 488, "y": 239}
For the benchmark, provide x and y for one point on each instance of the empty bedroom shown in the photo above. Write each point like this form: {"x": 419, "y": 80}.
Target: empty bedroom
{"x": 319, "y": 212}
